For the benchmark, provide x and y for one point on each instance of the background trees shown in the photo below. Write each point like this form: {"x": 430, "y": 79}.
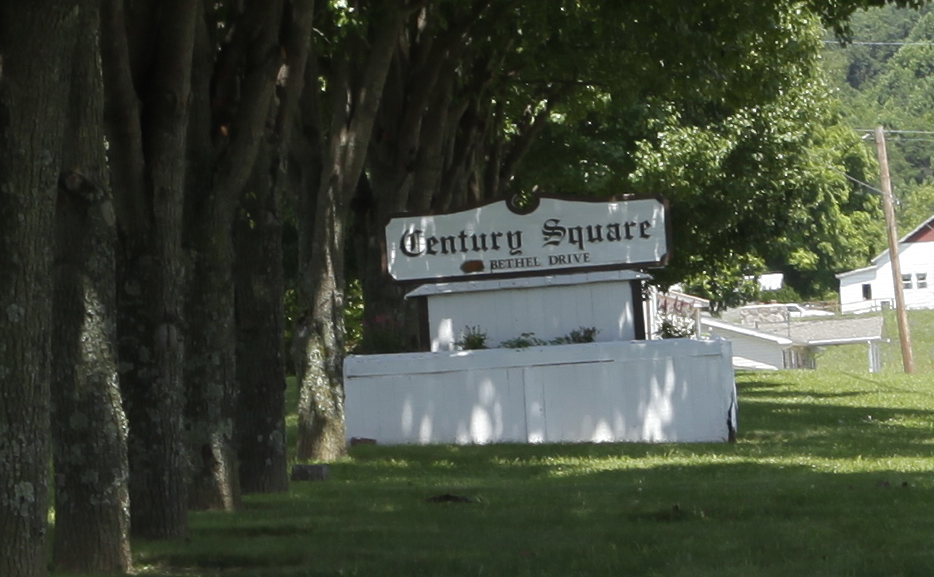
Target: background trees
{"x": 885, "y": 77}
{"x": 753, "y": 164}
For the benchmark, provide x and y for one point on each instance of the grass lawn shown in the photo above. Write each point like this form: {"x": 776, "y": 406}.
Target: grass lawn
{"x": 831, "y": 475}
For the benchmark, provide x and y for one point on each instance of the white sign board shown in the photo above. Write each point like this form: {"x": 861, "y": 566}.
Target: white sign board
{"x": 558, "y": 235}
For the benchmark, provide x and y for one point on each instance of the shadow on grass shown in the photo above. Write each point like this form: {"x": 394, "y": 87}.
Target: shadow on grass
{"x": 818, "y": 483}
{"x": 697, "y": 518}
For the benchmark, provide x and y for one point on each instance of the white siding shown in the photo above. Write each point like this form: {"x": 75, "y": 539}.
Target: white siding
{"x": 751, "y": 348}
{"x": 547, "y": 311}
{"x": 851, "y": 290}
{"x": 758, "y": 350}
{"x": 655, "y": 391}
{"x": 914, "y": 258}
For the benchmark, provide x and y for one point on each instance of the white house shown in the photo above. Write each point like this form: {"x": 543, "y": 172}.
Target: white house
{"x": 871, "y": 288}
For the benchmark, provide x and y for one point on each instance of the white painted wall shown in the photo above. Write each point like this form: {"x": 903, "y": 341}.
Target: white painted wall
{"x": 851, "y": 290}
{"x": 914, "y": 258}
{"x": 548, "y": 312}
{"x": 764, "y": 350}
{"x": 653, "y": 391}
{"x": 549, "y": 307}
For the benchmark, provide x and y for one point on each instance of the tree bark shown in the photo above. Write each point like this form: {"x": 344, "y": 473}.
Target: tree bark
{"x": 407, "y": 162}
{"x": 253, "y": 57}
{"x": 148, "y": 159}
{"x": 92, "y": 509}
{"x": 36, "y": 41}
{"x": 260, "y": 278}
{"x": 260, "y": 325}
{"x": 413, "y": 87}
{"x": 354, "y": 102}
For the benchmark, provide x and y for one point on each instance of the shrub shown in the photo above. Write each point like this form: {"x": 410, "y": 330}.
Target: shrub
{"x": 472, "y": 339}
{"x": 523, "y": 341}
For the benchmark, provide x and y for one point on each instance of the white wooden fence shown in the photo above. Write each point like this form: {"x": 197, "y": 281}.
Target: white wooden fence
{"x": 675, "y": 390}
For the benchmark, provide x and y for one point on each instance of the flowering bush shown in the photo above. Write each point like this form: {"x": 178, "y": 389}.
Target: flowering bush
{"x": 675, "y": 327}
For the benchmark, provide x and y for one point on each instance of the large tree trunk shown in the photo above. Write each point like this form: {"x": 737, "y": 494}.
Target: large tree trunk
{"x": 209, "y": 352}
{"x": 260, "y": 278}
{"x": 36, "y": 41}
{"x": 434, "y": 139}
{"x": 354, "y": 102}
{"x": 148, "y": 161}
{"x": 321, "y": 429}
{"x": 211, "y": 368}
{"x": 244, "y": 81}
{"x": 92, "y": 509}
{"x": 260, "y": 325}
{"x": 390, "y": 323}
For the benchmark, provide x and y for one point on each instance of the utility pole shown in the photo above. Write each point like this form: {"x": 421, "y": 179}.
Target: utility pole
{"x": 903, "y": 333}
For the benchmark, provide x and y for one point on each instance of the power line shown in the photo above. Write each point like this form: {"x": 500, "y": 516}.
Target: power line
{"x": 857, "y": 181}
{"x": 889, "y": 131}
{"x": 870, "y": 43}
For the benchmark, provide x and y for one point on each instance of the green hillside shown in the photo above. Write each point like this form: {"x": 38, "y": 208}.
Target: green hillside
{"x": 885, "y": 75}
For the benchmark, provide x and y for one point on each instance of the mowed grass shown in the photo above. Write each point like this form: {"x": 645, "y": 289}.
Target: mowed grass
{"x": 848, "y": 358}
{"x": 832, "y": 474}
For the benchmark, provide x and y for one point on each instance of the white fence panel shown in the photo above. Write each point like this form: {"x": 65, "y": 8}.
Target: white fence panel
{"x": 653, "y": 391}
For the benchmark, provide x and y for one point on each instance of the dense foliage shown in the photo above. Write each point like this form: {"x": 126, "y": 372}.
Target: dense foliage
{"x": 885, "y": 76}
{"x": 755, "y": 170}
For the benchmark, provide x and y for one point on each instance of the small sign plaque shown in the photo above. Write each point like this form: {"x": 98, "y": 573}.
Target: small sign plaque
{"x": 558, "y": 235}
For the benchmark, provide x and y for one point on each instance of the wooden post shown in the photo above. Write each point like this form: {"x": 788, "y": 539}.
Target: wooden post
{"x": 903, "y": 333}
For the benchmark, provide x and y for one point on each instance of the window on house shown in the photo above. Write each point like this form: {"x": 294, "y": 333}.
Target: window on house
{"x": 906, "y": 282}
{"x": 922, "y": 280}
{"x": 867, "y": 292}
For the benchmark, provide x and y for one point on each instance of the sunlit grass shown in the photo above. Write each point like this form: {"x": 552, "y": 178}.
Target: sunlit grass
{"x": 921, "y": 333}
{"x": 831, "y": 475}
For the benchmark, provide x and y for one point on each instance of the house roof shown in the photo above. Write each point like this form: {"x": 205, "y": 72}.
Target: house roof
{"x": 741, "y": 330}
{"x": 829, "y": 330}
{"x": 857, "y": 271}
{"x": 924, "y": 232}
{"x": 822, "y": 331}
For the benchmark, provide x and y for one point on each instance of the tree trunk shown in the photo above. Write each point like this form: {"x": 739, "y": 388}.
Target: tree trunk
{"x": 250, "y": 62}
{"x": 260, "y": 280}
{"x": 211, "y": 368}
{"x": 92, "y": 509}
{"x": 260, "y": 325}
{"x": 151, "y": 362}
{"x": 36, "y": 42}
{"x": 405, "y": 153}
{"x": 390, "y": 323}
{"x": 147, "y": 150}
{"x": 406, "y": 169}
{"x": 355, "y": 100}
{"x": 321, "y": 394}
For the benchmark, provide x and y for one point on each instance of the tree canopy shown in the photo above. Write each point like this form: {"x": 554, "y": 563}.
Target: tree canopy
{"x": 754, "y": 164}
